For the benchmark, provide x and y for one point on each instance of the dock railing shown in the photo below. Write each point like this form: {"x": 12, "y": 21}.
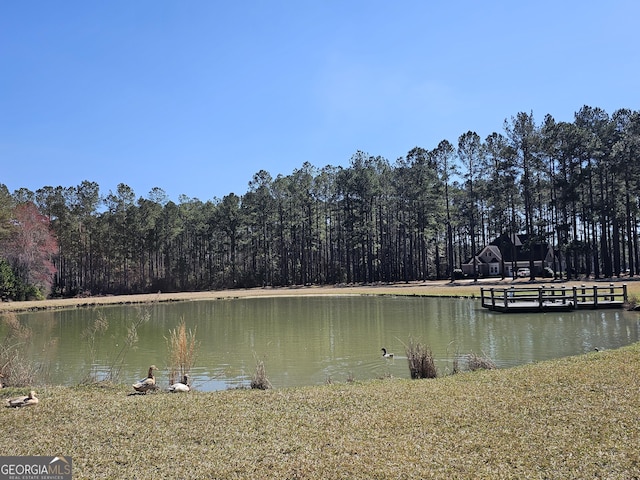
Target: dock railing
{"x": 545, "y": 297}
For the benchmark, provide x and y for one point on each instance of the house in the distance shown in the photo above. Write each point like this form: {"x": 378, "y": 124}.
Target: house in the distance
{"x": 509, "y": 254}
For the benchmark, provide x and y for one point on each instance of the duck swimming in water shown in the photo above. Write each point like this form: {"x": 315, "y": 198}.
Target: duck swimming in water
{"x": 181, "y": 387}
{"x": 385, "y": 354}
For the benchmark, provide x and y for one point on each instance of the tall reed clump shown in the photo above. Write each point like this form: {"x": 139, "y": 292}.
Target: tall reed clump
{"x": 456, "y": 360}
{"x": 477, "y": 362}
{"x": 15, "y": 367}
{"x": 143, "y": 315}
{"x": 183, "y": 348}
{"x": 113, "y": 361}
{"x": 421, "y": 362}
{"x": 260, "y": 380}
{"x": 90, "y": 334}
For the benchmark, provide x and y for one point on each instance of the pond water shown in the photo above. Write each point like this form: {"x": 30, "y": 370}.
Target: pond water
{"x": 311, "y": 340}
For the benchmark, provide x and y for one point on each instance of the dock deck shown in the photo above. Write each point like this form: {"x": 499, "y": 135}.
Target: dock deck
{"x": 553, "y": 298}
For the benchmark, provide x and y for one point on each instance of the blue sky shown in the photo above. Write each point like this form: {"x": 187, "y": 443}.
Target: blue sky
{"x": 195, "y": 97}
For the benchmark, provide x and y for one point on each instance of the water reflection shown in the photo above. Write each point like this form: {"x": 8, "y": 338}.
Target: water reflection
{"x": 310, "y": 340}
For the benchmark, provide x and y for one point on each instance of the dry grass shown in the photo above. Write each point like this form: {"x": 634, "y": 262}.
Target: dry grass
{"x": 15, "y": 367}
{"x": 115, "y": 358}
{"x": 91, "y": 333}
{"x": 260, "y": 381}
{"x": 183, "y": 348}
{"x": 570, "y": 418}
{"x": 421, "y": 361}
{"x": 478, "y": 362}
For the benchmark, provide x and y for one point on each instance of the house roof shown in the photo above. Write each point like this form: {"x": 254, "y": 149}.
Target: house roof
{"x": 493, "y": 249}
{"x": 481, "y": 258}
{"x": 522, "y": 252}
{"x": 513, "y": 249}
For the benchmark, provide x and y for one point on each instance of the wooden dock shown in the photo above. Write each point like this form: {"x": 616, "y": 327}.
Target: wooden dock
{"x": 553, "y": 298}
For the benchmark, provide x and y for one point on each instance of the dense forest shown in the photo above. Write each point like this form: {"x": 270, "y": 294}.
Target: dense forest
{"x": 572, "y": 185}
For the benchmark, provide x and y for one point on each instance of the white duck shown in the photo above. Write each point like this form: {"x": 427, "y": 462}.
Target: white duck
{"x": 385, "y": 354}
{"x": 181, "y": 387}
{"x": 25, "y": 401}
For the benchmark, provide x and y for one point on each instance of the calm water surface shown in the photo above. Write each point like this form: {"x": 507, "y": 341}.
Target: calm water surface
{"x": 308, "y": 340}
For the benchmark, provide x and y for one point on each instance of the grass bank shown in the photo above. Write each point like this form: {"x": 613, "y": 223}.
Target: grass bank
{"x": 442, "y": 288}
{"x": 571, "y": 418}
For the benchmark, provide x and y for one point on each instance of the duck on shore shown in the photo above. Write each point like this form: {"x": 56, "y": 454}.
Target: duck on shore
{"x": 25, "y": 401}
{"x": 146, "y": 384}
{"x": 181, "y": 386}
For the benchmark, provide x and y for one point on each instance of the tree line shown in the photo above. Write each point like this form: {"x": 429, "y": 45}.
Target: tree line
{"x": 573, "y": 185}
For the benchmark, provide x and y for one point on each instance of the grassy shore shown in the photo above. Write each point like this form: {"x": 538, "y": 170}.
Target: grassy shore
{"x": 575, "y": 417}
{"x": 570, "y": 418}
{"x": 413, "y": 288}
{"x": 460, "y": 288}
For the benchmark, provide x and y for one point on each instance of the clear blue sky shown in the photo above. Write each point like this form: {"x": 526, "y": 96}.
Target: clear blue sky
{"x": 195, "y": 97}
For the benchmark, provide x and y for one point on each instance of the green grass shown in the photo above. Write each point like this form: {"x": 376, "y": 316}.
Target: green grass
{"x": 577, "y": 417}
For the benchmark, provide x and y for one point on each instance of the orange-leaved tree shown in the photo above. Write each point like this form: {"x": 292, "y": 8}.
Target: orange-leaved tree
{"x": 30, "y": 249}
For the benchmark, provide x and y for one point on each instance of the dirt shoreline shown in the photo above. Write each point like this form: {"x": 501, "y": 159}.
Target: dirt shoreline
{"x": 444, "y": 288}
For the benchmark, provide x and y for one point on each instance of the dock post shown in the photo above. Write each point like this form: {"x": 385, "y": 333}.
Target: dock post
{"x": 575, "y": 296}
{"x": 540, "y": 290}
{"x": 564, "y": 295}
{"x": 511, "y": 294}
{"x": 595, "y": 296}
{"x": 624, "y": 293}
{"x": 493, "y": 299}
